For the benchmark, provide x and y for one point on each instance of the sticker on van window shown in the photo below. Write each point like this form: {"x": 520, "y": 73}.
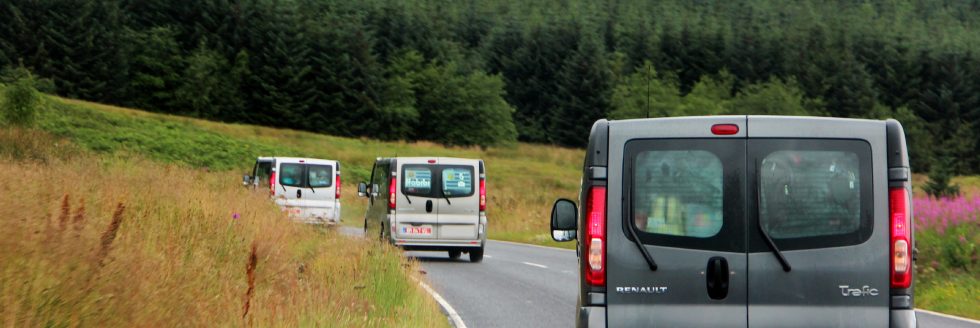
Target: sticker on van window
{"x": 457, "y": 181}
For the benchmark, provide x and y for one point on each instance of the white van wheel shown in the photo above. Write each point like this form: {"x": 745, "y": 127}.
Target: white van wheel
{"x": 476, "y": 255}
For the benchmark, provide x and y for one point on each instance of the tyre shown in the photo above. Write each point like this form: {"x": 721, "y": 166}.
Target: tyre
{"x": 455, "y": 253}
{"x": 476, "y": 255}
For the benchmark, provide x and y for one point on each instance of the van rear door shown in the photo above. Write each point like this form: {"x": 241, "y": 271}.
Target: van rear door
{"x": 683, "y": 195}
{"x": 417, "y": 205}
{"x": 818, "y": 189}
{"x": 459, "y": 202}
{"x": 291, "y": 179}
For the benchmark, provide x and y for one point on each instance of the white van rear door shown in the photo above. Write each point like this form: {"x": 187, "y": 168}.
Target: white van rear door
{"x": 458, "y": 198}
{"x": 416, "y": 205}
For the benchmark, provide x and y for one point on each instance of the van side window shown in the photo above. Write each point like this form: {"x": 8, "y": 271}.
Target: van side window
{"x": 678, "y": 192}
{"x": 320, "y": 176}
{"x": 417, "y": 180}
{"x": 457, "y": 180}
{"x": 261, "y": 173}
{"x": 291, "y": 175}
{"x": 810, "y": 193}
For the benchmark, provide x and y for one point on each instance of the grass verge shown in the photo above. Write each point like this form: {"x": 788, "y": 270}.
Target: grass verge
{"x": 119, "y": 242}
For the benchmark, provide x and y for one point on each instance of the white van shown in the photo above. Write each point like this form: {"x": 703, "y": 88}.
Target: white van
{"x": 307, "y": 188}
{"x": 428, "y": 204}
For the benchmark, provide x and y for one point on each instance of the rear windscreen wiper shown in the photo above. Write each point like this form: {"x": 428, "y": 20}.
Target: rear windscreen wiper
{"x": 639, "y": 244}
{"x": 312, "y": 189}
{"x": 408, "y": 199}
{"x": 446, "y": 197}
{"x": 765, "y": 235}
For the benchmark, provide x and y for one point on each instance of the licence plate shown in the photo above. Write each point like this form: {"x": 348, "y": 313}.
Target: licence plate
{"x": 421, "y": 230}
{"x": 293, "y": 210}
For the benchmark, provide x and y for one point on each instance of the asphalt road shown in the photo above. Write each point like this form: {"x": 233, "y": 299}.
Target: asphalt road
{"x": 520, "y": 285}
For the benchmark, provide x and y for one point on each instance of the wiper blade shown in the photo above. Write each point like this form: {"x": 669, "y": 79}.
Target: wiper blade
{"x": 639, "y": 245}
{"x": 408, "y": 199}
{"x": 312, "y": 189}
{"x": 765, "y": 235}
{"x": 446, "y": 197}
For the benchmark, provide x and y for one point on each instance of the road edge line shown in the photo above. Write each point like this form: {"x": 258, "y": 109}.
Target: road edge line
{"x": 532, "y": 245}
{"x": 450, "y": 312}
{"x": 948, "y": 316}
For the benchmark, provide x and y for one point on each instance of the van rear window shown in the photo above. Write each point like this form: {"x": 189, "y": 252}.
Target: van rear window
{"x": 291, "y": 175}
{"x": 810, "y": 193}
{"x": 320, "y": 176}
{"x": 417, "y": 180}
{"x": 678, "y": 192}
{"x": 457, "y": 180}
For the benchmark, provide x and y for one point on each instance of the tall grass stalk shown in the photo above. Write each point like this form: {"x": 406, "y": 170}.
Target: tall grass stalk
{"x": 163, "y": 249}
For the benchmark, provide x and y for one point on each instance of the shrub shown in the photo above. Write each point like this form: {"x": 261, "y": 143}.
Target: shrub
{"x": 21, "y": 100}
{"x": 939, "y": 176}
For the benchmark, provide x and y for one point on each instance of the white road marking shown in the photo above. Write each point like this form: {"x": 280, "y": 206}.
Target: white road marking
{"x": 949, "y": 316}
{"x": 535, "y": 264}
{"x": 450, "y": 311}
{"x": 538, "y": 246}
{"x": 488, "y": 256}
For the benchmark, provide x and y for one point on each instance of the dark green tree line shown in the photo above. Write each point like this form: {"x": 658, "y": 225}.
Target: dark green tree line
{"x": 537, "y": 71}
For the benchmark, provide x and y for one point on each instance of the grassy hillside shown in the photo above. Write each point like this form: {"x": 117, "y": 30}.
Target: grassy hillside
{"x": 522, "y": 180}
{"x": 119, "y": 242}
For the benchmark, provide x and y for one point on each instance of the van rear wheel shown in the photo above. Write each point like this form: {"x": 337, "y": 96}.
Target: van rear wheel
{"x": 455, "y": 253}
{"x": 476, "y": 255}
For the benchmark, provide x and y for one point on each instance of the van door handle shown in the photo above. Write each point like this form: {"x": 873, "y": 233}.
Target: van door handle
{"x": 299, "y": 193}
{"x": 428, "y": 206}
{"x": 717, "y": 277}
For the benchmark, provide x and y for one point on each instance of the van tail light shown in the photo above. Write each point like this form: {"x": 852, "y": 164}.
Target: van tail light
{"x": 391, "y": 192}
{"x": 595, "y": 236}
{"x": 483, "y": 194}
{"x": 272, "y": 184}
{"x": 337, "y": 195}
{"x": 900, "y": 215}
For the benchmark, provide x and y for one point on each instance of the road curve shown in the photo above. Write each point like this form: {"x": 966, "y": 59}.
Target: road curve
{"x": 520, "y": 285}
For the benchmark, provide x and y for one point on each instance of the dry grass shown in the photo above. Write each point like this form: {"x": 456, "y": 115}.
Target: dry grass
{"x": 523, "y": 180}
{"x": 108, "y": 242}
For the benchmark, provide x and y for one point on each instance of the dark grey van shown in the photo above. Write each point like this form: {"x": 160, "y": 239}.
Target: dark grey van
{"x": 428, "y": 204}
{"x": 743, "y": 221}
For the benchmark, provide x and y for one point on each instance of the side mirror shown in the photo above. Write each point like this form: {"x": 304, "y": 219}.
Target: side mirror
{"x": 246, "y": 180}
{"x": 374, "y": 190}
{"x": 564, "y": 220}
{"x": 361, "y": 189}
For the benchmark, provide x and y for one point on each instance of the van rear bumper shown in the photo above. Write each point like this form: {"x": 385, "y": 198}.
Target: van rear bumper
{"x": 591, "y": 317}
{"x": 437, "y": 244}
{"x": 902, "y": 318}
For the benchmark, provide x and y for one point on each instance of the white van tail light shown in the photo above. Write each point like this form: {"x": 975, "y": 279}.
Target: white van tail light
{"x": 595, "y": 236}
{"x": 901, "y": 246}
{"x": 483, "y": 194}
{"x": 337, "y": 195}
{"x": 391, "y": 193}
{"x": 272, "y": 184}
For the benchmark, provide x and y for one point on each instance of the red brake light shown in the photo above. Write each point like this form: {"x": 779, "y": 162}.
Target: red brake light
{"x": 337, "y": 196}
{"x": 724, "y": 129}
{"x": 483, "y": 195}
{"x": 595, "y": 236}
{"x": 272, "y": 184}
{"x": 901, "y": 245}
{"x": 391, "y": 192}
